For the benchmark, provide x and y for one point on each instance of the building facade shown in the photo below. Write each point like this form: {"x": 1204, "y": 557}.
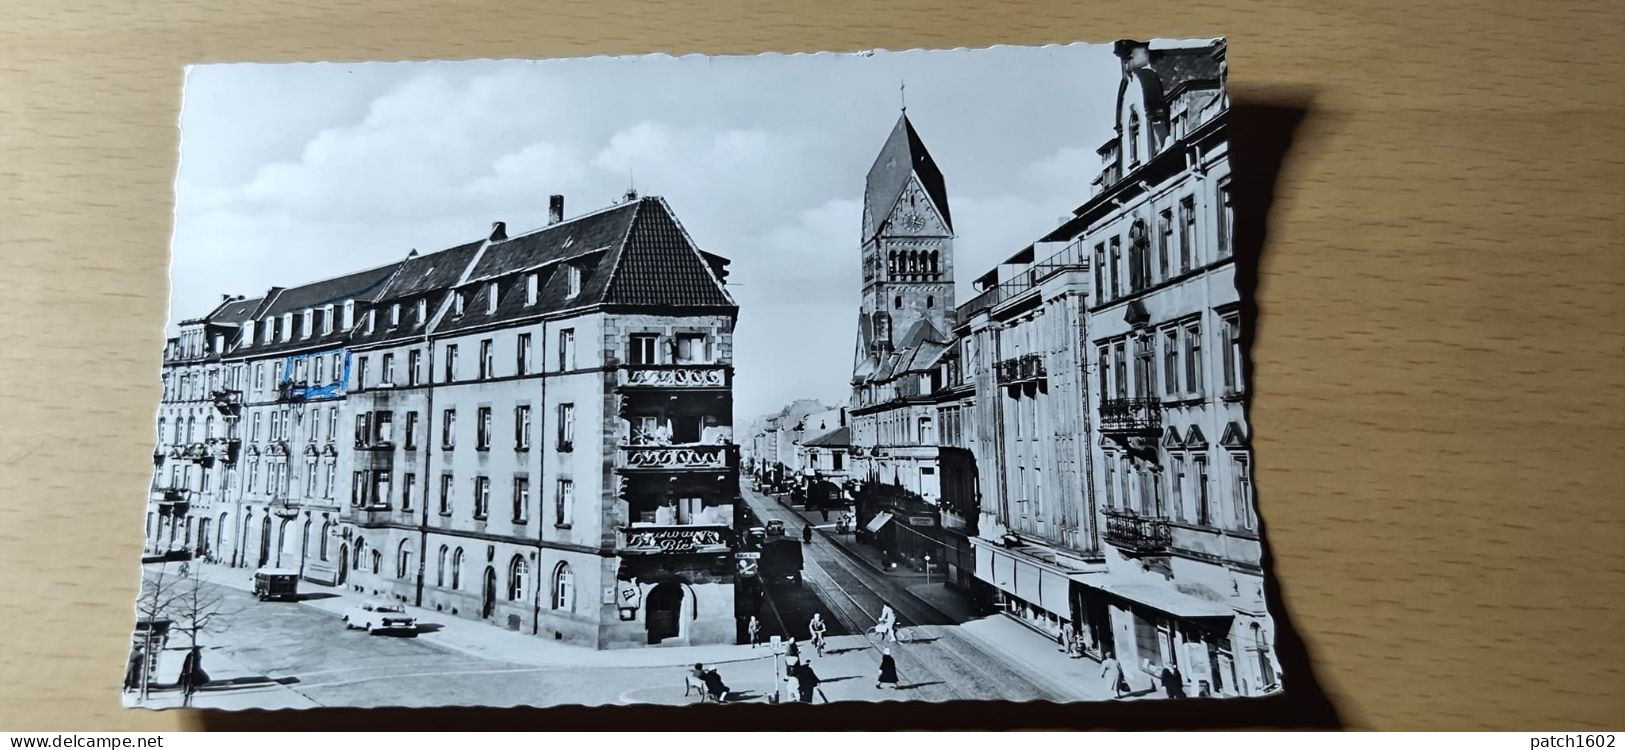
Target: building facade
{"x": 540, "y": 431}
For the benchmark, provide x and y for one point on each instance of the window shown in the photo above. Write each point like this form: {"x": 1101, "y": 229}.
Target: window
{"x": 564, "y": 504}
{"x": 1204, "y": 509}
{"x": 321, "y": 370}
{"x": 1193, "y": 358}
{"x": 248, "y": 332}
{"x": 327, "y": 531}
{"x": 567, "y": 427}
{"x": 567, "y": 349}
{"x": 363, "y": 429}
{"x": 1120, "y": 368}
{"x": 532, "y": 285}
{"x": 1170, "y": 362}
{"x": 377, "y": 559}
{"x": 928, "y": 434}
{"x": 518, "y": 571}
{"x": 270, "y": 326}
{"x": 1227, "y": 221}
{"x": 1133, "y": 137}
{"x": 482, "y": 496}
{"x": 410, "y": 438}
{"x": 361, "y": 373}
{"x": 1233, "y": 380}
{"x": 287, "y": 326}
{"x": 1116, "y": 262}
{"x": 457, "y": 302}
{"x": 1139, "y": 255}
{"x": 327, "y": 319}
{"x": 1176, "y": 486}
{"x": 521, "y": 499}
{"x": 521, "y": 427}
{"x": 310, "y": 478}
{"x": 491, "y": 295}
{"x": 372, "y": 320}
{"x": 487, "y": 365}
{"x": 641, "y": 349}
{"x": 691, "y": 348}
{"x": 423, "y": 311}
{"x": 332, "y": 478}
{"x": 445, "y": 494}
{"x": 457, "y": 569}
{"x": 349, "y": 314}
{"x": 451, "y": 363}
{"x": 522, "y": 355}
{"x": 897, "y": 302}
{"x": 564, "y": 588}
{"x": 403, "y": 559}
{"x": 387, "y": 374}
{"x": 380, "y": 488}
{"x": 482, "y": 433}
{"x": 572, "y": 281}
{"x": 440, "y": 568}
{"x": 448, "y": 429}
{"x": 414, "y": 361}
{"x": 394, "y": 315}
{"x": 1187, "y": 233}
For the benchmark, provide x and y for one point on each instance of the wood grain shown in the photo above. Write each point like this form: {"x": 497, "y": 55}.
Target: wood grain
{"x": 1439, "y": 358}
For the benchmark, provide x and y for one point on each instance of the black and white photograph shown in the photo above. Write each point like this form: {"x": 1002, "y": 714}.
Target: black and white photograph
{"x": 811, "y": 378}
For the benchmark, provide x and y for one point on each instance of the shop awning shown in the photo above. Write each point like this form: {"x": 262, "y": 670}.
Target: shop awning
{"x": 880, "y": 519}
{"x": 1163, "y": 599}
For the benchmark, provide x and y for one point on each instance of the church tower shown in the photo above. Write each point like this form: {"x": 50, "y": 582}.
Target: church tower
{"x": 908, "y": 250}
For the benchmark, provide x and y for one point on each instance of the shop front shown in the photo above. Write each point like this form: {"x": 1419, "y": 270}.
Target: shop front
{"x": 1149, "y": 627}
{"x": 1029, "y": 584}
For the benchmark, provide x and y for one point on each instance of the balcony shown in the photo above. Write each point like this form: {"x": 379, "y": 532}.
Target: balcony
{"x": 1137, "y": 534}
{"x": 224, "y": 450}
{"x": 670, "y": 458}
{"x": 1131, "y": 417}
{"x": 674, "y": 540}
{"x": 284, "y": 507}
{"x": 197, "y": 453}
{"x": 227, "y": 402}
{"x": 289, "y": 392}
{"x": 1023, "y": 369}
{"x": 673, "y": 376}
{"x": 370, "y": 516}
{"x": 172, "y": 497}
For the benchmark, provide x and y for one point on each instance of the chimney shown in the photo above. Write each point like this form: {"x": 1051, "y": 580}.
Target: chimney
{"x": 499, "y": 232}
{"x": 555, "y": 209}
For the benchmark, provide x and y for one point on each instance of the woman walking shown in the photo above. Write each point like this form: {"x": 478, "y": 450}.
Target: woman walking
{"x": 888, "y": 670}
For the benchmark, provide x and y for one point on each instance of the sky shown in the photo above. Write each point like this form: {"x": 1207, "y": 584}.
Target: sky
{"x": 293, "y": 173}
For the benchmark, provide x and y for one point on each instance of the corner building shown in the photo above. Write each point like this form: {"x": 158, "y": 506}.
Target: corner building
{"x": 537, "y": 431}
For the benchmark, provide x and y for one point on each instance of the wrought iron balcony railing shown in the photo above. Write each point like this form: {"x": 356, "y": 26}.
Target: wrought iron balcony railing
{"x": 689, "y": 457}
{"x": 1138, "y": 534}
{"x": 228, "y": 402}
{"x": 1022, "y": 369}
{"x": 673, "y": 376}
{"x": 1131, "y": 417}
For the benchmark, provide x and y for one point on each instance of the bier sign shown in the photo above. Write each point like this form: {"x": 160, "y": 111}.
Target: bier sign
{"x": 670, "y": 540}
{"x": 749, "y": 563}
{"x": 922, "y": 520}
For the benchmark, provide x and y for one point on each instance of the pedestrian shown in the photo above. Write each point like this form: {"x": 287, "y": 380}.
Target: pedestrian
{"x": 1172, "y": 682}
{"x": 134, "y": 670}
{"x": 888, "y": 670}
{"x": 1064, "y": 638}
{"x": 754, "y": 629}
{"x": 193, "y": 678}
{"x": 886, "y": 626}
{"x": 807, "y": 682}
{"x": 1112, "y": 670}
{"x": 816, "y": 630}
{"x": 806, "y": 533}
{"x": 791, "y": 650}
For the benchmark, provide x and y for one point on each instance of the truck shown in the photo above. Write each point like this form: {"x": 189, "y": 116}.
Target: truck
{"x": 781, "y": 560}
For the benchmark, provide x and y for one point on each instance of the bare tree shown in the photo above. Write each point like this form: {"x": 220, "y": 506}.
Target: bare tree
{"x": 158, "y": 592}
{"x": 197, "y": 607}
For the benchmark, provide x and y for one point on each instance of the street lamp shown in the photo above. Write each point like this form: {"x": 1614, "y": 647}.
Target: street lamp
{"x": 928, "y": 570}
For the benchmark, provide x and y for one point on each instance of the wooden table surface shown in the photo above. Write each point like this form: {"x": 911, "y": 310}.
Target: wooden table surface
{"x": 1438, "y": 357}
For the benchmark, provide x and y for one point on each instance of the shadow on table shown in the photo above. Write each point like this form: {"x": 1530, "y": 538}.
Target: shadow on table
{"x": 1261, "y": 132}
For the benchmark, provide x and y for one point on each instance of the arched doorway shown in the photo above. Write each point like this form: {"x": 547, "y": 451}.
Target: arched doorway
{"x": 281, "y": 540}
{"x": 344, "y": 565}
{"x": 265, "y": 541}
{"x": 203, "y": 537}
{"x": 664, "y": 614}
{"x": 488, "y": 596}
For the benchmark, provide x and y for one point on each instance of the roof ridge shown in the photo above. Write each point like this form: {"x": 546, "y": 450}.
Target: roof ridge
{"x": 571, "y": 220}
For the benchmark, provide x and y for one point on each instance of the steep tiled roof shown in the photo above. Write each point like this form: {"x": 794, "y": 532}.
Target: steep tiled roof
{"x": 596, "y": 231}
{"x": 234, "y": 312}
{"x": 836, "y": 438}
{"x": 657, "y": 265}
{"x": 1185, "y": 64}
{"x": 360, "y": 286}
{"x": 435, "y": 271}
{"x": 904, "y": 154}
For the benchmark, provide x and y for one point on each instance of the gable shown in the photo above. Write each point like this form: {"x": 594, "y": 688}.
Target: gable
{"x": 914, "y": 214}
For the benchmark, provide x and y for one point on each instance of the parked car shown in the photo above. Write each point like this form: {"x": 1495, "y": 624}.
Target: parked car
{"x": 775, "y": 528}
{"x": 380, "y": 617}
{"x": 755, "y": 537}
{"x": 276, "y": 583}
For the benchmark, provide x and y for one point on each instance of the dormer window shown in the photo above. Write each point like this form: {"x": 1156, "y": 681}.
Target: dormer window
{"x": 219, "y": 342}
{"x": 308, "y": 325}
{"x": 349, "y": 314}
{"x": 423, "y": 310}
{"x": 394, "y": 315}
{"x": 287, "y": 326}
{"x": 372, "y": 319}
{"x": 490, "y": 298}
{"x": 248, "y": 332}
{"x": 457, "y": 302}
{"x": 572, "y": 281}
{"x": 532, "y": 285}
{"x": 265, "y": 335}
{"x": 327, "y": 320}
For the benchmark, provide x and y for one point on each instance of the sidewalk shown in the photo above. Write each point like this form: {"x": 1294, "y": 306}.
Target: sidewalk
{"x": 232, "y": 686}
{"x": 486, "y": 641}
{"x": 1080, "y": 677}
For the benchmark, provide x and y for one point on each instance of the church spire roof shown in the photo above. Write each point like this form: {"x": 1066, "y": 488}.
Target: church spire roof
{"x": 903, "y": 155}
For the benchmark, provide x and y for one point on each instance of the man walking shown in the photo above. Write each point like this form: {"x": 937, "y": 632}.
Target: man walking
{"x": 754, "y": 629}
